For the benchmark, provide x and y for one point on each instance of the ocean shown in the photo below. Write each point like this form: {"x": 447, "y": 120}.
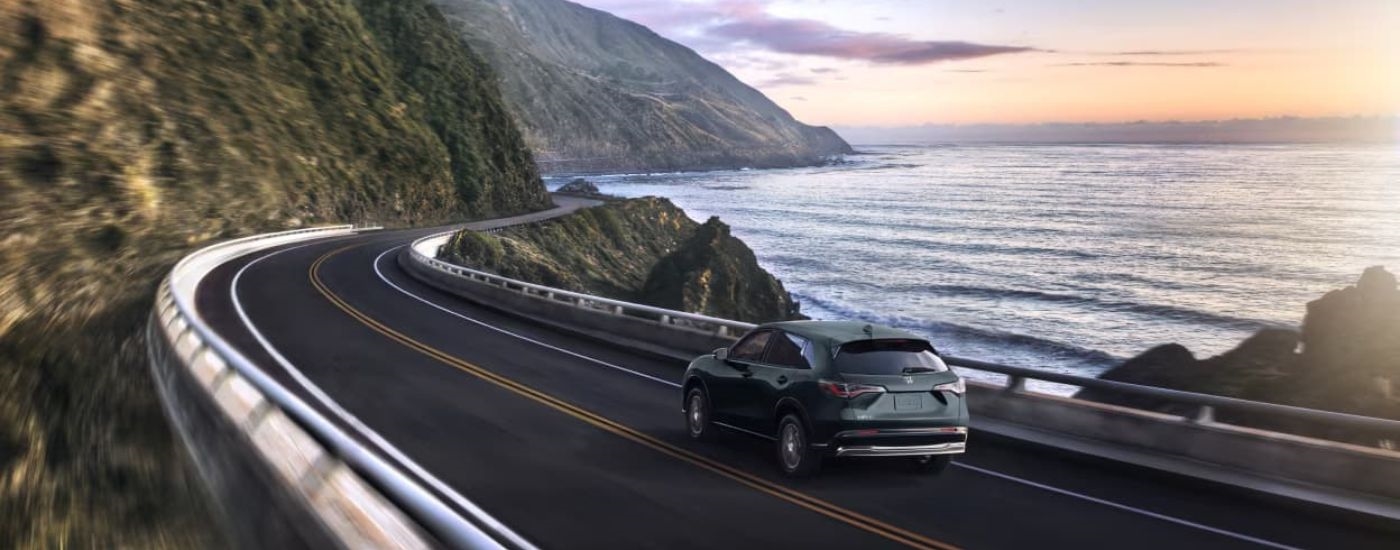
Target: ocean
{"x": 1069, "y": 258}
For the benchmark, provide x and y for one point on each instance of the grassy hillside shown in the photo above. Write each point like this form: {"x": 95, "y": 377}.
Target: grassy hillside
{"x": 131, "y": 132}
{"x": 599, "y": 93}
{"x": 641, "y": 250}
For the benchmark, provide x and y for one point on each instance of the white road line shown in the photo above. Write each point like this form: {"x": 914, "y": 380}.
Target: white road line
{"x": 509, "y": 333}
{"x": 350, "y": 419}
{"x": 1127, "y": 508}
{"x": 984, "y": 471}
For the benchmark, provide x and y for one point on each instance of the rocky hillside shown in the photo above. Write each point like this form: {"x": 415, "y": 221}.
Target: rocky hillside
{"x": 131, "y": 132}
{"x": 641, "y": 250}
{"x": 1346, "y": 358}
{"x": 598, "y": 93}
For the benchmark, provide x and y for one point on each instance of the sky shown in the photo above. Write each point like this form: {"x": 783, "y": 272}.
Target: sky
{"x": 910, "y": 62}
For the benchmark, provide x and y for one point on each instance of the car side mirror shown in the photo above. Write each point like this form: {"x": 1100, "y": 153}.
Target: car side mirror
{"x": 722, "y": 354}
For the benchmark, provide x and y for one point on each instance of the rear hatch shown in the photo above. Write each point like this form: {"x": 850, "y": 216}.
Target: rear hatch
{"x": 909, "y": 370}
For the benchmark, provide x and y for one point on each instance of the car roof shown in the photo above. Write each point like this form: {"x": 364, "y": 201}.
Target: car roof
{"x": 835, "y": 333}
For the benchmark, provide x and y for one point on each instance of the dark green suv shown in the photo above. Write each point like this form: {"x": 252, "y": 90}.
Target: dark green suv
{"x": 825, "y": 388}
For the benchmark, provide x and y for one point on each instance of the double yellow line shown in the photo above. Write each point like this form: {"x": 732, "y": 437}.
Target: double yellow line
{"x": 814, "y": 504}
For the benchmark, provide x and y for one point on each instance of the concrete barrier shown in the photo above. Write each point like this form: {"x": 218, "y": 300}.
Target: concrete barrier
{"x": 1340, "y": 467}
{"x": 273, "y": 483}
{"x": 283, "y": 475}
{"x": 258, "y": 509}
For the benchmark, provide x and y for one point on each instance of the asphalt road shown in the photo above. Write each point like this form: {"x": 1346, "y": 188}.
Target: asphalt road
{"x": 577, "y": 444}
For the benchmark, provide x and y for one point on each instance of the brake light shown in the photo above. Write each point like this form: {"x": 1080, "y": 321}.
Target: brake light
{"x": 848, "y": 391}
{"x": 959, "y": 387}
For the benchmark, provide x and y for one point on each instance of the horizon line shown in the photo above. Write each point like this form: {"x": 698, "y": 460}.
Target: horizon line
{"x": 1276, "y": 118}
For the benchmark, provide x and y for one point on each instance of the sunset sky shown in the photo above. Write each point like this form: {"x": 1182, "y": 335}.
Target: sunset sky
{"x": 906, "y": 62}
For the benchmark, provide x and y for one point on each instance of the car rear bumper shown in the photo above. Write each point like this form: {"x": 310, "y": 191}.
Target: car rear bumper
{"x": 901, "y": 450}
{"x": 941, "y": 440}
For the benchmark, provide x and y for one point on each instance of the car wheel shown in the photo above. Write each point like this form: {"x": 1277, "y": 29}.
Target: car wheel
{"x": 697, "y": 415}
{"x": 796, "y": 456}
{"x": 931, "y": 465}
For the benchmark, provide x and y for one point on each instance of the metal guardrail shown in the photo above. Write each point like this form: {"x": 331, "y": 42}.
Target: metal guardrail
{"x": 659, "y": 316}
{"x": 1207, "y": 404}
{"x": 424, "y": 251}
{"x": 409, "y": 495}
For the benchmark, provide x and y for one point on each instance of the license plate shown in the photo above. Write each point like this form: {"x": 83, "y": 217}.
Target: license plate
{"x": 909, "y": 401}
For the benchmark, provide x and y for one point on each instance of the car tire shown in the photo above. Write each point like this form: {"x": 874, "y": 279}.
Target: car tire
{"x": 796, "y": 457}
{"x": 930, "y": 465}
{"x": 697, "y": 415}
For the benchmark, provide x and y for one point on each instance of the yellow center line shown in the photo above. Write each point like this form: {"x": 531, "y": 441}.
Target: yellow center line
{"x": 806, "y": 501}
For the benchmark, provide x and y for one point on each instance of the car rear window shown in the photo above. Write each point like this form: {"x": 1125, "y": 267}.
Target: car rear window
{"x": 887, "y": 357}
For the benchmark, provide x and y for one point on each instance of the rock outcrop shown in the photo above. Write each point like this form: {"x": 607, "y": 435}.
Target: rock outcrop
{"x": 715, "y": 273}
{"x": 596, "y": 93}
{"x": 640, "y": 250}
{"x": 131, "y": 132}
{"x": 1346, "y": 358}
{"x": 580, "y": 187}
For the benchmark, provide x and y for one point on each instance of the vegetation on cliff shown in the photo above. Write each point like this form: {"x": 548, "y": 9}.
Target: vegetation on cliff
{"x": 131, "y": 132}
{"x": 641, "y": 250}
{"x": 1346, "y": 358}
{"x": 598, "y": 93}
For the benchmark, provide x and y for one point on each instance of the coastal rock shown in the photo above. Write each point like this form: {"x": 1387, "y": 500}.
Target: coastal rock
{"x": 581, "y": 187}
{"x": 1351, "y": 349}
{"x": 1349, "y": 362}
{"x": 1356, "y": 329}
{"x": 1253, "y": 367}
{"x": 640, "y": 250}
{"x": 716, "y": 273}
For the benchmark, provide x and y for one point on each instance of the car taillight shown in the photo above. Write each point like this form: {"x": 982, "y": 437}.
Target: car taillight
{"x": 959, "y": 387}
{"x": 847, "y": 391}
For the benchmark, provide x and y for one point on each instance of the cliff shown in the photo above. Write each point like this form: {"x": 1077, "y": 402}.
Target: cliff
{"x": 596, "y": 93}
{"x": 639, "y": 250}
{"x": 132, "y": 132}
{"x": 1346, "y": 358}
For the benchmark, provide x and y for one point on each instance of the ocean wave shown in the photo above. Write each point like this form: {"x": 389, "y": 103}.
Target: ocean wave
{"x": 990, "y": 248}
{"x": 1034, "y": 346}
{"x": 1159, "y": 311}
{"x": 1115, "y": 278}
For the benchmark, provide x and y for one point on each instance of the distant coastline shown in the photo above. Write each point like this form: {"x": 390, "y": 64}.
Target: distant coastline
{"x": 1279, "y": 130}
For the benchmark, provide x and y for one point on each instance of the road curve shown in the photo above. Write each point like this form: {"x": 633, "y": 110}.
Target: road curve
{"x": 577, "y": 444}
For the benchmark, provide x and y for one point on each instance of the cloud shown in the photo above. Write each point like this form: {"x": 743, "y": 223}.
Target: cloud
{"x": 1189, "y": 64}
{"x": 797, "y": 98}
{"x": 824, "y": 70}
{"x": 1169, "y": 52}
{"x": 746, "y": 61}
{"x": 965, "y": 71}
{"x": 815, "y": 38}
{"x": 721, "y": 25}
{"x": 787, "y": 79}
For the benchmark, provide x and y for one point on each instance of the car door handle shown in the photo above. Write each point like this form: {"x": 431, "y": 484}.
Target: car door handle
{"x": 782, "y": 380}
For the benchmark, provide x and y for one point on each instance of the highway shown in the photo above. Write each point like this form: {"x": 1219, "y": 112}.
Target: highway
{"x": 574, "y": 443}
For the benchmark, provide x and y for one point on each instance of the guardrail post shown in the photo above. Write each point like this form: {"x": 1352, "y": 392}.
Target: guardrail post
{"x": 617, "y": 310}
{"x": 1015, "y": 383}
{"x": 722, "y": 331}
{"x": 665, "y": 319}
{"x": 1205, "y": 414}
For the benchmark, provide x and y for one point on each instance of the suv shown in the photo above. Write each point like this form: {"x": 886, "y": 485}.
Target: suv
{"x": 825, "y": 388}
